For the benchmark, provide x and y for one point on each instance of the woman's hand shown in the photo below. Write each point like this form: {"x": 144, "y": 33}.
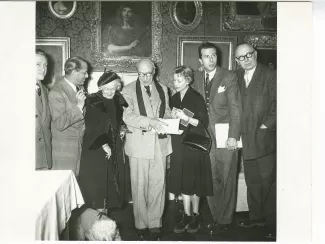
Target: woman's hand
{"x": 107, "y": 150}
{"x": 181, "y": 115}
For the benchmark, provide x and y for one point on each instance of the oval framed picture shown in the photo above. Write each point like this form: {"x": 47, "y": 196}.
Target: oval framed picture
{"x": 63, "y": 9}
{"x": 186, "y": 16}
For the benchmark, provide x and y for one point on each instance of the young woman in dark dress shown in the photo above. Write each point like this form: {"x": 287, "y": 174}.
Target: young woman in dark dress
{"x": 190, "y": 172}
{"x": 103, "y": 173}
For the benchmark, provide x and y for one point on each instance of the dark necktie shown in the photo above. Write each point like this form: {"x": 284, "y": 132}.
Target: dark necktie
{"x": 148, "y": 90}
{"x": 38, "y": 88}
{"x": 206, "y": 79}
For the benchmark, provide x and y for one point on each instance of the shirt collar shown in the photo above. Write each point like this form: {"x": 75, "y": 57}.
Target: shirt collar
{"x": 251, "y": 71}
{"x": 211, "y": 74}
{"x": 70, "y": 84}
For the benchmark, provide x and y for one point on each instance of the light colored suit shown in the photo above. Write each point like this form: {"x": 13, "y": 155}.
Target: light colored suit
{"x": 147, "y": 155}
{"x": 43, "y": 130}
{"x": 67, "y": 127}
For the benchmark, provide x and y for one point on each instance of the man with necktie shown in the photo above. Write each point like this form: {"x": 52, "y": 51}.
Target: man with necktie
{"x": 67, "y": 104}
{"x": 219, "y": 87}
{"x": 257, "y": 84}
{"x": 43, "y": 135}
{"x": 147, "y": 149}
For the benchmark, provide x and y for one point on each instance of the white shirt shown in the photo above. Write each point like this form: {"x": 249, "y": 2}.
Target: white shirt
{"x": 211, "y": 74}
{"x": 73, "y": 86}
{"x": 249, "y": 75}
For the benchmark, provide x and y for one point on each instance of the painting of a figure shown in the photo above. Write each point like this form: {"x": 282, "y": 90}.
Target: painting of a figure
{"x": 185, "y": 12}
{"x": 126, "y": 29}
{"x": 265, "y": 9}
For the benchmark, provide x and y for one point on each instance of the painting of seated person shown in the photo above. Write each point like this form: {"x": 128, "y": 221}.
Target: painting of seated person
{"x": 128, "y": 34}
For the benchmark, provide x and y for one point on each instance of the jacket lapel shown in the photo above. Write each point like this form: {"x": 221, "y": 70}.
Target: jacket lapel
{"x": 70, "y": 92}
{"x": 216, "y": 80}
{"x": 45, "y": 102}
{"x": 253, "y": 88}
{"x": 148, "y": 101}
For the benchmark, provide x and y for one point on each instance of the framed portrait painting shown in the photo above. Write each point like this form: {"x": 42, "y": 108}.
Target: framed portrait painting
{"x": 186, "y": 15}
{"x": 187, "y": 50}
{"x": 58, "y": 51}
{"x": 249, "y": 16}
{"x": 125, "y": 32}
{"x": 63, "y": 9}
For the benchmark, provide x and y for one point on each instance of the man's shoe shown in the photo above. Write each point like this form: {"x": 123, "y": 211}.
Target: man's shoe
{"x": 252, "y": 223}
{"x": 182, "y": 225}
{"x": 195, "y": 224}
{"x": 141, "y": 233}
{"x": 154, "y": 234}
{"x": 217, "y": 228}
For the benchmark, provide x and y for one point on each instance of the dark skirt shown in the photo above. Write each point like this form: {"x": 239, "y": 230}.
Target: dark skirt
{"x": 96, "y": 178}
{"x": 190, "y": 170}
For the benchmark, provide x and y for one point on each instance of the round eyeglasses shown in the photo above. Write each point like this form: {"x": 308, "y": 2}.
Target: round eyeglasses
{"x": 248, "y": 55}
{"x": 142, "y": 75}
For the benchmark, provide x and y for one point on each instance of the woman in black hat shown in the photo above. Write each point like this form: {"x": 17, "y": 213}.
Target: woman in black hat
{"x": 102, "y": 176}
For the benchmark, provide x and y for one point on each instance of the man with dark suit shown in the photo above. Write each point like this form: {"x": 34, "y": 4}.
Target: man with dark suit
{"x": 43, "y": 117}
{"x": 257, "y": 84}
{"x": 66, "y": 104}
{"x": 219, "y": 87}
{"x": 147, "y": 150}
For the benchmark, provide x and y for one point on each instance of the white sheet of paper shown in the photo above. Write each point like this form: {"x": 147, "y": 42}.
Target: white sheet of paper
{"x": 172, "y": 128}
{"x": 222, "y": 136}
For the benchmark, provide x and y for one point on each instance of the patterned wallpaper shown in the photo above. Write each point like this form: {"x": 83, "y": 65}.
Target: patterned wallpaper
{"x": 78, "y": 28}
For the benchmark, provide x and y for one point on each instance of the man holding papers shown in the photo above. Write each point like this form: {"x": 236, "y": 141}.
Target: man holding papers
{"x": 257, "y": 84}
{"x": 147, "y": 149}
{"x": 219, "y": 88}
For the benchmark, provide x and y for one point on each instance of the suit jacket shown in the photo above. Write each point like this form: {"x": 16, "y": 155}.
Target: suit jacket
{"x": 67, "y": 124}
{"x": 43, "y": 130}
{"x": 141, "y": 142}
{"x": 225, "y": 101}
{"x": 259, "y": 107}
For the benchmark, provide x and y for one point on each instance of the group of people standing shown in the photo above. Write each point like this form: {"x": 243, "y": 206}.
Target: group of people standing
{"x": 92, "y": 133}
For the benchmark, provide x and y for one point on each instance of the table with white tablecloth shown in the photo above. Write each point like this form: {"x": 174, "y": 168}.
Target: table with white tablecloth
{"x": 57, "y": 194}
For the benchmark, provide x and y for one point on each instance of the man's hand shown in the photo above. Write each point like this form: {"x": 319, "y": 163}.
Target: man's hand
{"x": 263, "y": 126}
{"x": 81, "y": 97}
{"x": 231, "y": 144}
{"x": 107, "y": 150}
{"x": 158, "y": 125}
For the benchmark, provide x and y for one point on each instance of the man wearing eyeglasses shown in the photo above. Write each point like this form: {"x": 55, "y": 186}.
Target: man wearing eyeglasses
{"x": 147, "y": 147}
{"x": 257, "y": 84}
{"x": 219, "y": 87}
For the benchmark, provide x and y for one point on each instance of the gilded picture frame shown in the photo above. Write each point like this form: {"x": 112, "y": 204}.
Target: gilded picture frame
{"x": 58, "y": 52}
{"x": 266, "y": 47}
{"x": 187, "y": 50}
{"x": 235, "y": 18}
{"x": 186, "y": 16}
{"x": 102, "y": 58}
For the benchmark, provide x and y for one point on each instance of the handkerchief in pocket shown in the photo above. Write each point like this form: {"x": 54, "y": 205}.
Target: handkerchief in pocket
{"x": 221, "y": 89}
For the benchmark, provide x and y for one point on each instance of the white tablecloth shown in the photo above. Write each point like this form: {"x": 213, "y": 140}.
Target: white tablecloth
{"x": 57, "y": 195}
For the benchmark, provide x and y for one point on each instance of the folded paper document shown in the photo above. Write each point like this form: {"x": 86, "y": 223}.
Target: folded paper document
{"x": 222, "y": 136}
{"x": 171, "y": 127}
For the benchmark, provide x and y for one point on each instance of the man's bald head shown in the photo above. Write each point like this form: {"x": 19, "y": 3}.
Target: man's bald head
{"x": 246, "y": 56}
{"x": 146, "y": 71}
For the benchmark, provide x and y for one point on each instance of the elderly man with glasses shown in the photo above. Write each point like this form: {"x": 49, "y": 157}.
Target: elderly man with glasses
{"x": 257, "y": 84}
{"x": 147, "y": 147}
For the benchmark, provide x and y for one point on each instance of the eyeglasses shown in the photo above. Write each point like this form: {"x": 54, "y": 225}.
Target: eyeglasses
{"x": 142, "y": 75}
{"x": 248, "y": 55}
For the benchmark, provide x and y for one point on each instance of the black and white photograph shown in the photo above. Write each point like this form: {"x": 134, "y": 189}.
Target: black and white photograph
{"x": 156, "y": 121}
